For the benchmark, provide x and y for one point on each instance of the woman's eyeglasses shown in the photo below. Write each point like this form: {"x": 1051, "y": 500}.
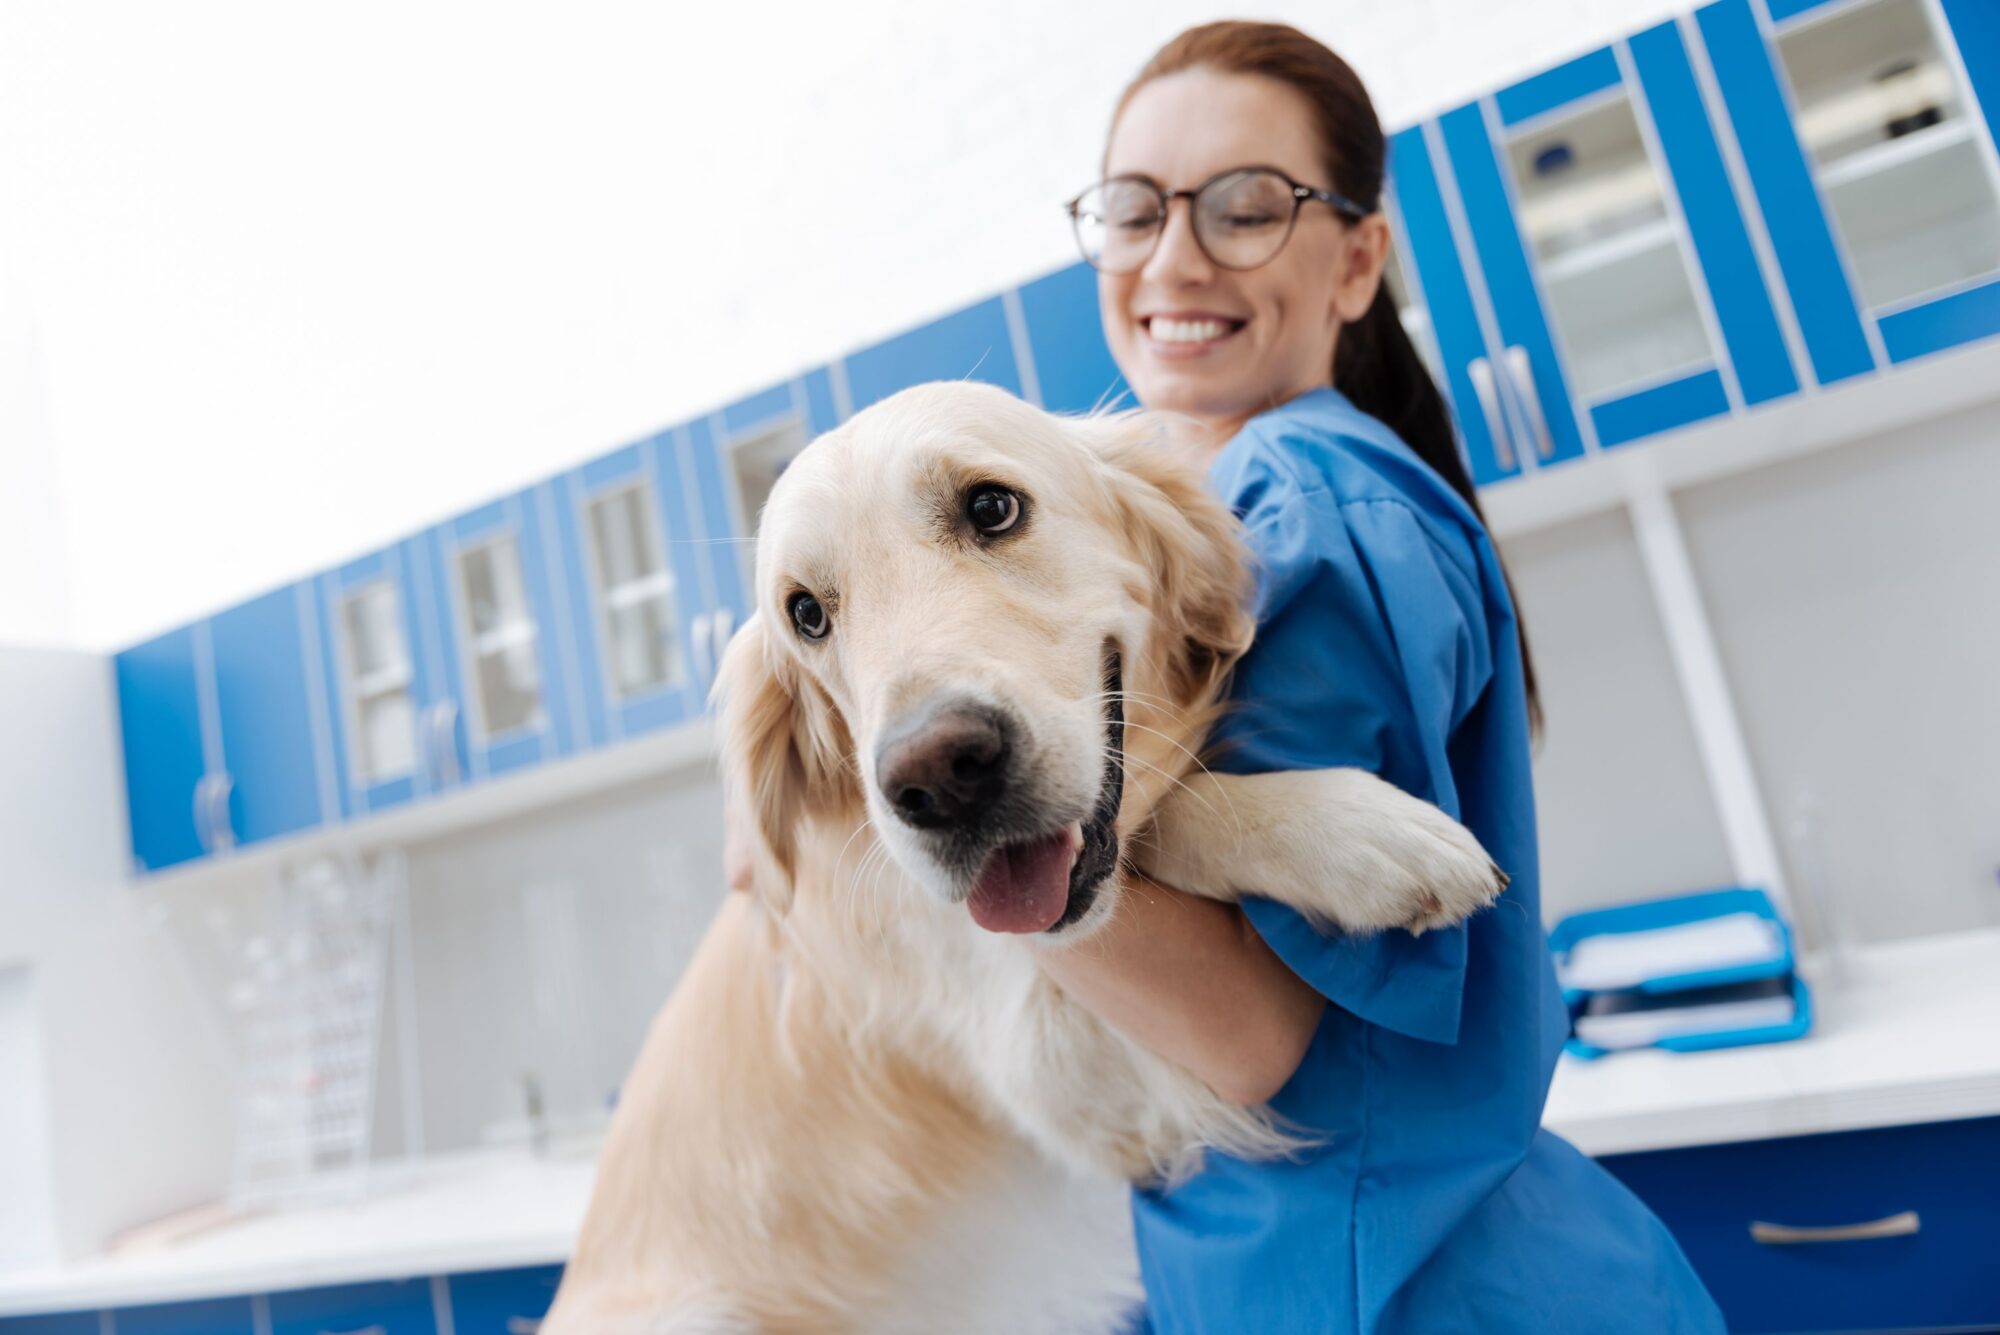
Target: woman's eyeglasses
{"x": 1242, "y": 217}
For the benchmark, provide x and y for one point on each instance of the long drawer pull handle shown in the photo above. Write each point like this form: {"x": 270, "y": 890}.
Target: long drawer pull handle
{"x": 1786, "y": 1235}
{"x": 1487, "y": 390}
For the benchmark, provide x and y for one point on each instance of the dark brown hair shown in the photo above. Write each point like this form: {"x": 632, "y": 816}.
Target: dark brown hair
{"x": 1375, "y": 364}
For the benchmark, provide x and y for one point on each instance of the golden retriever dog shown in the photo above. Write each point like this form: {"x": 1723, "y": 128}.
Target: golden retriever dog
{"x": 987, "y": 645}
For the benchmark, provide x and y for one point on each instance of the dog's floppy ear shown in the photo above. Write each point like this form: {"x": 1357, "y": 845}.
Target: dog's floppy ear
{"x": 783, "y": 749}
{"x": 1189, "y": 543}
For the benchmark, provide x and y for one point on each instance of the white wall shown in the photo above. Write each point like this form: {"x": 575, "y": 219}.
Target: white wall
{"x": 134, "y": 1118}
{"x": 305, "y": 278}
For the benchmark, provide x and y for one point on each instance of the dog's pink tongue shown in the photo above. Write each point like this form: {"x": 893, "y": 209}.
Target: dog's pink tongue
{"x": 1025, "y": 887}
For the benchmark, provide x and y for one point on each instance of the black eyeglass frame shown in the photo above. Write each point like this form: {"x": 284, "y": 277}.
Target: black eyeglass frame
{"x": 1301, "y": 195}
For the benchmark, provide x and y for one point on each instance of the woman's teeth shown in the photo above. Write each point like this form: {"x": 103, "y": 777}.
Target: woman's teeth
{"x": 1186, "y": 331}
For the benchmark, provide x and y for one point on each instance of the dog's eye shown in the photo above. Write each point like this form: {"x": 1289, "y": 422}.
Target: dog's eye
{"x": 809, "y": 616}
{"x": 993, "y": 509}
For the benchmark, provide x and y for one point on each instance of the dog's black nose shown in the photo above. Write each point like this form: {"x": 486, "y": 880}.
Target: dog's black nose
{"x": 945, "y": 768}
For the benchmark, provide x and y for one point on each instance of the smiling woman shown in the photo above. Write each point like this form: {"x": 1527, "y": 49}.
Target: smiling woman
{"x": 1427, "y": 1199}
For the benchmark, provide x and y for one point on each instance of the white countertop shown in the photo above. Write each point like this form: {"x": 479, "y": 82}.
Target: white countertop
{"x": 447, "y": 1215}
{"x": 1911, "y": 1035}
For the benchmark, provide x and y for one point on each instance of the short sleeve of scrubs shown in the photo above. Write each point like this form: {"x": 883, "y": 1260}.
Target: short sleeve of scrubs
{"x": 1372, "y": 648}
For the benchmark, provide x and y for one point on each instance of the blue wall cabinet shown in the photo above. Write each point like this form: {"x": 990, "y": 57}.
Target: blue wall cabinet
{"x": 384, "y": 665}
{"x": 223, "y": 729}
{"x": 500, "y": 636}
{"x": 635, "y": 589}
{"x": 272, "y": 717}
{"x": 1073, "y": 365}
{"x": 1593, "y": 259}
{"x": 393, "y": 1307}
{"x": 163, "y": 716}
{"x": 502, "y": 1302}
{"x": 976, "y": 343}
{"x": 1867, "y": 127}
{"x": 1459, "y": 326}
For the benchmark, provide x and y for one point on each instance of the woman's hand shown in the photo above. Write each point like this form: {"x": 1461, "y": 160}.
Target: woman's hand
{"x": 1190, "y": 979}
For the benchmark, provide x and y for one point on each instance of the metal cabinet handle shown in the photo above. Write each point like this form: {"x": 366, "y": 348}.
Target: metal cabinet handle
{"x": 1786, "y": 1235}
{"x": 704, "y": 650}
{"x": 221, "y": 834}
{"x": 1487, "y": 391}
{"x": 441, "y": 746}
{"x": 1521, "y": 375}
{"x": 203, "y": 835}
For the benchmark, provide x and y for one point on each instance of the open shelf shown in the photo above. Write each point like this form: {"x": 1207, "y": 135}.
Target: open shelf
{"x": 1865, "y": 163}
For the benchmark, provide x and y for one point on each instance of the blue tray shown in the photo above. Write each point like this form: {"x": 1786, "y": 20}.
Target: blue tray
{"x": 1675, "y": 912}
{"x": 1727, "y": 1038}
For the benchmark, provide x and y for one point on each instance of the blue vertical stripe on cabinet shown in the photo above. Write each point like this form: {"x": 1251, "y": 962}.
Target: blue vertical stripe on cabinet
{"x": 1736, "y": 286}
{"x": 502, "y": 1302}
{"x": 1815, "y": 277}
{"x": 1072, "y": 362}
{"x": 1504, "y": 264}
{"x": 688, "y": 550}
{"x": 269, "y": 743}
{"x": 972, "y": 344}
{"x": 717, "y": 527}
{"x": 534, "y": 508}
{"x": 821, "y": 415}
{"x": 1434, "y": 256}
{"x": 212, "y": 1316}
{"x": 1975, "y": 30}
{"x": 1587, "y": 74}
{"x": 53, "y": 1323}
{"x": 572, "y": 499}
{"x": 398, "y": 1307}
{"x": 159, "y": 717}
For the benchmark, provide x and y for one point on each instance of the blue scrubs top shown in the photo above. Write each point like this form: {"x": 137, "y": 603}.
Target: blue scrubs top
{"x": 1435, "y": 1202}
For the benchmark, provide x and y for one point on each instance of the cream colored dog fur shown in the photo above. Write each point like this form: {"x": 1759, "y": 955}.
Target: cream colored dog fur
{"x": 858, "y": 1108}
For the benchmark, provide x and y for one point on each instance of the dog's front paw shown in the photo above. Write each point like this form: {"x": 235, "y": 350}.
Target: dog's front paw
{"x": 1447, "y": 876}
{"x": 1367, "y": 857}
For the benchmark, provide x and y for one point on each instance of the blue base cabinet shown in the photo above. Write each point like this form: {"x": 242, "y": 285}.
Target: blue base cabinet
{"x": 1932, "y": 1192}
{"x": 486, "y": 1302}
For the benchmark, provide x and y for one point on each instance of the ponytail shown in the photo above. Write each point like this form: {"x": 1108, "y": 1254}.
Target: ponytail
{"x": 1379, "y": 370}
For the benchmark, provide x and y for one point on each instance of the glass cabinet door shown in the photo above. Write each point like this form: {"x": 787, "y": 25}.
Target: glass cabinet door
{"x": 376, "y": 663}
{"x": 1896, "y": 147}
{"x": 1592, "y": 208}
{"x": 635, "y": 595}
{"x": 500, "y": 637}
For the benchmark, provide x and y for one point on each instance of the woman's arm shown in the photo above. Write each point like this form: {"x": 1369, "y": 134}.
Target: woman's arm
{"x": 1190, "y": 979}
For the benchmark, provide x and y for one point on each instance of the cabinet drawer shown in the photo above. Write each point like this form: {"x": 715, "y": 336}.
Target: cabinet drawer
{"x": 210, "y": 1316}
{"x": 1798, "y": 1277}
{"x": 503, "y": 1302}
{"x": 395, "y": 1307}
{"x": 52, "y": 1323}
